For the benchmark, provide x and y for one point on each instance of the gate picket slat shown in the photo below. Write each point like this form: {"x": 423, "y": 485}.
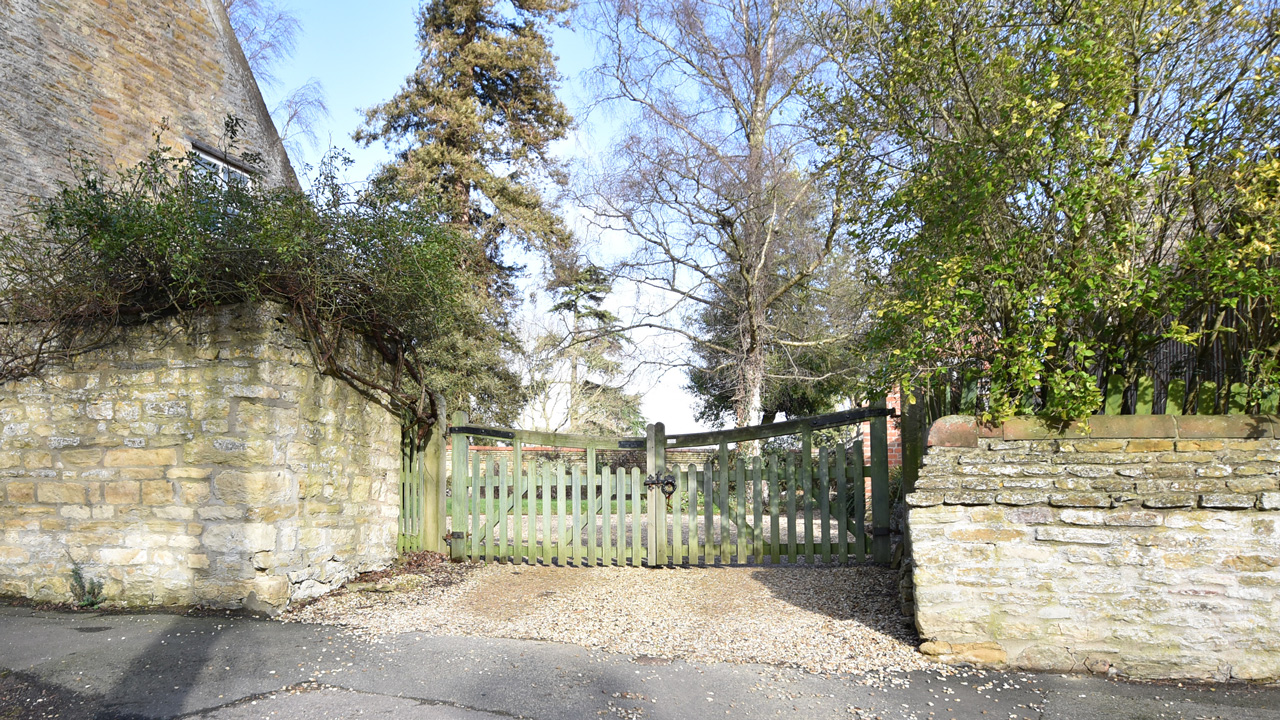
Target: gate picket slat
{"x": 824, "y": 502}
{"x": 620, "y": 517}
{"x": 637, "y": 507}
{"x": 790, "y": 479}
{"x": 723, "y": 472}
{"x": 517, "y": 469}
{"x": 757, "y": 514}
{"x": 490, "y": 511}
{"x": 476, "y": 482}
{"x": 562, "y": 545}
{"x": 606, "y": 497}
{"x": 859, "y": 490}
{"x": 695, "y": 541}
{"x": 608, "y": 547}
{"x": 661, "y": 470}
{"x": 775, "y": 533}
{"x": 575, "y": 515}
{"x": 708, "y": 518}
{"x": 842, "y": 507}
{"x": 593, "y": 513}
{"x": 807, "y": 481}
{"x": 740, "y": 509}
{"x": 677, "y": 516}
{"x": 504, "y": 546}
{"x": 545, "y": 475}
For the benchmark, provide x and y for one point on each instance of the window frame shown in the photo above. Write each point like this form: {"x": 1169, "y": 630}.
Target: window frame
{"x": 224, "y": 167}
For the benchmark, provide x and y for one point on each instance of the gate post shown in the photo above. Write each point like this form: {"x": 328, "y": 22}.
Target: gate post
{"x": 655, "y": 458}
{"x": 458, "y": 534}
{"x": 880, "y": 504}
{"x": 431, "y": 468}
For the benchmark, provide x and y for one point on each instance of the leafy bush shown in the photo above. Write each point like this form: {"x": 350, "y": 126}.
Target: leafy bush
{"x": 166, "y": 237}
{"x": 1059, "y": 203}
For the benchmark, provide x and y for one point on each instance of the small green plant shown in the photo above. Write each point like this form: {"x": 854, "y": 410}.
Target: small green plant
{"x": 86, "y": 591}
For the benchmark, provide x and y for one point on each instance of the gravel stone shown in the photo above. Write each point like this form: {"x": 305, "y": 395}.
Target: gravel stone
{"x": 823, "y": 620}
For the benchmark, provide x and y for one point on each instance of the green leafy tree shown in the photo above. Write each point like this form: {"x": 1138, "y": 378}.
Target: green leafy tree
{"x": 1058, "y": 189}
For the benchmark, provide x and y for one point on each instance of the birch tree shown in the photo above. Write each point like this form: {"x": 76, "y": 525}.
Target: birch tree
{"x": 717, "y": 182}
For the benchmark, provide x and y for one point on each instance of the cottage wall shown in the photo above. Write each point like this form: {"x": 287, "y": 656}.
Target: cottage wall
{"x": 104, "y": 77}
{"x": 1144, "y": 546}
{"x": 208, "y": 464}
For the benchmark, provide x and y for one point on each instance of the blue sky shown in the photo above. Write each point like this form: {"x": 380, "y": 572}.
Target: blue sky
{"x": 362, "y": 52}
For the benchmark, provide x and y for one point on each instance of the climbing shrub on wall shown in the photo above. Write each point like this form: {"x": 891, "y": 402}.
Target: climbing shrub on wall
{"x": 166, "y": 237}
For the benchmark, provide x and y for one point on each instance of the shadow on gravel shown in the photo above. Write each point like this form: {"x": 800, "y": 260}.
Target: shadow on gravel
{"x": 863, "y": 593}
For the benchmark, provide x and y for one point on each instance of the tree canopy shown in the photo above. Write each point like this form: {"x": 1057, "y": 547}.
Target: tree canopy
{"x": 1061, "y": 190}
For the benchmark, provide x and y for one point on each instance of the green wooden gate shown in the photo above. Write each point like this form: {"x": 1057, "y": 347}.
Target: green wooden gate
{"x": 732, "y": 509}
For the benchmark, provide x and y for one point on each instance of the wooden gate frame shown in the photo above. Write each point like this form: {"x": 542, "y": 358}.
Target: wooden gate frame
{"x": 423, "y": 483}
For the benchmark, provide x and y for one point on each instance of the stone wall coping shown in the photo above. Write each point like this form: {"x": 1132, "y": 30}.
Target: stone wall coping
{"x": 965, "y": 430}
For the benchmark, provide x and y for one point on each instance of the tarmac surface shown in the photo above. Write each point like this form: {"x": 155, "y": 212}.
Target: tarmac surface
{"x": 87, "y": 666}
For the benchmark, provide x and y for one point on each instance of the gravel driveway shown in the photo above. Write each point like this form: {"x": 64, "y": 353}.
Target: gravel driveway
{"x": 835, "y": 619}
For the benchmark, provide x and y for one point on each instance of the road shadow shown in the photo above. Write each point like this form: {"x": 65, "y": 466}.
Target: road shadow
{"x": 158, "y": 680}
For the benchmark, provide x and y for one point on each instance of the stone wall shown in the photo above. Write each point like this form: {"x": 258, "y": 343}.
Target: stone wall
{"x": 1142, "y": 546}
{"x": 208, "y": 464}
{"x": 101, "y": 77}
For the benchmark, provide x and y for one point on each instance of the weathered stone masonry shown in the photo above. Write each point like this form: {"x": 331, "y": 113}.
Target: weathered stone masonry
{"x": 1147, "y": 546}
{"x": 103, "y": 77}
{"x": 202, "y": 465}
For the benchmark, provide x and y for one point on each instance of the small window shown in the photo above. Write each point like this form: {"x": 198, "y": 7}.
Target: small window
{"x": 224, "y": 168}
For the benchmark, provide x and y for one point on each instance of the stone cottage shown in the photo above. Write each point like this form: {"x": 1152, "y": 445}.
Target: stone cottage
{"x": 103, "y": 78}
{"x": 194, "y": 463}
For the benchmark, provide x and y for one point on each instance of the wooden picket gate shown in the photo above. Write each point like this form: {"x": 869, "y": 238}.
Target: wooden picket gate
{"x": 803, "y": 507}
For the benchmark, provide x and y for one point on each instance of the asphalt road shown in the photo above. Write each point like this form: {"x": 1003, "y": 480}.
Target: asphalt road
{"x": 103, "y": 667}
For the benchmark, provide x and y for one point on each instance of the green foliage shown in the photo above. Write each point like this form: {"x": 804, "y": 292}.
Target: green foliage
{"x": 166, "y": 237}
{"x": 87, "y": 593}
{"x": 1058, "y": 189}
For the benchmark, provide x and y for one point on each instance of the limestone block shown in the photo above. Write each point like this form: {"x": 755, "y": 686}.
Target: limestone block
{"x": 1226, "y": 501}
{"x": 10, "y": 555}
{"x": 1075, "y": 535}
{"x": 1080, "y": 500}
{"x": 21, "y": 492}
{"x": 979, "y": 653}
{"x": 1170, "y": 500}
{"x": 69, "y": 493}
{"x": 259, "y": 537}
{"x": 157, "y": 492}
{"x": 122, "y": 556}
{"x": 253, "y": 488}
{"x": 136, "y": 457}
{"x": 1269, "y": 501}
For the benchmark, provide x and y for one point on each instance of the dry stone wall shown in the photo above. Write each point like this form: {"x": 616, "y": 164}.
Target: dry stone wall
{"x": 208, "y": 464}
{"x": 1141, "y": 546}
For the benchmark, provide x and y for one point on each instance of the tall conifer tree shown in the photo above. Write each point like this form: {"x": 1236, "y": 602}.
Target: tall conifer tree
{"x": 474, "y": 122}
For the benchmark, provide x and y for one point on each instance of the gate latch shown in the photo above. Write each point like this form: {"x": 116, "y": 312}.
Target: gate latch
{"x": 667, "y": 483}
